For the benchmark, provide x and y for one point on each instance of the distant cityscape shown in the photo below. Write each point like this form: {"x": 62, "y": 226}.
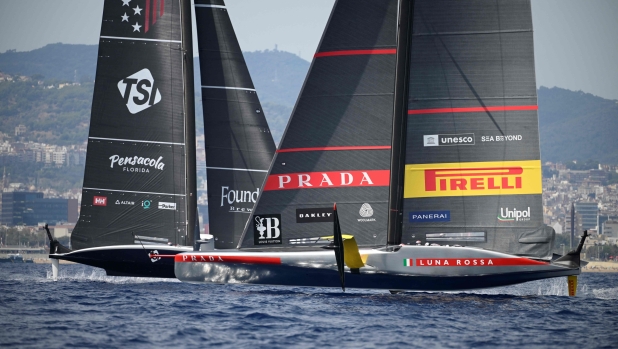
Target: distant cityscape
{"x": 588, "y": 193}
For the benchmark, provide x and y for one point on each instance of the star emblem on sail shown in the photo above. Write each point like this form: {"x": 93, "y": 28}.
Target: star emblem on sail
{"x": 152, "y": 11}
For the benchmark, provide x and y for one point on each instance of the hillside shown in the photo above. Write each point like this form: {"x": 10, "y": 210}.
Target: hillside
{"x": 577, "y": 126}
{"x": 573, "y": 125}
{"x": 55, "y": 61}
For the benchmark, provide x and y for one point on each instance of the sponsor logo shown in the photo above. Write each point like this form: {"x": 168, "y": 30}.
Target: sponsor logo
{"x": 500, "y": 138}
{"x": 235, "y": 197}
{"x": 430, "y": 216}
{"x": 136, "y": 161}
{"x": 146, "y": 204}
{"x": 139, "y": 91}
{"x": 154, "y": 256}
{"x": 473, "y": 179}
{"x": 408, "y": 262}
{"x": 267, "y": 229}
{"x": 167, "y": 206}
{"x": 448, "y": 140}
{"x": 120, "y": 202}
{"x": 182, "y": 257}
{"x": 332, "y": 179}
{"x": 513, "y": 215}
{"x": 314, "y": 215}
{"x": 366, "y": 212}
{"x": 99, "y": 201}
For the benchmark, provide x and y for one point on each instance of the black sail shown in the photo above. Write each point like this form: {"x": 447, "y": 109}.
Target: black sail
{"x": 135, "y": 176}
{"x": 238, "y": 142}
{"x": 336, "y": 147}
{"x": 473, "y": 171}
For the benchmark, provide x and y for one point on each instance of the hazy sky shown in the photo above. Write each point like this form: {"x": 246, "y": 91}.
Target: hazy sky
{"x": 576, "y": 41}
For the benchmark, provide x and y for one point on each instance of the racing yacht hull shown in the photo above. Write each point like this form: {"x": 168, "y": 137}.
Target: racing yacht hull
{"x": 155, "y": 261}
{"x": 414, "y": 268}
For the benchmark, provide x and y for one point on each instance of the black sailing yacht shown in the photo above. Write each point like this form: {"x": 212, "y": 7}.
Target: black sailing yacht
{"x": 419, "y": 119}
{"x": 139, "y": 200}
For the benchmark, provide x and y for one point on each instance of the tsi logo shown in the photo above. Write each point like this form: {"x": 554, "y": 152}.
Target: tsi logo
{"x": 139, "y": 91}
{"x": 99, "y": 201}
{"x": 507, "y": 215}
{"x": 267, "y": 229}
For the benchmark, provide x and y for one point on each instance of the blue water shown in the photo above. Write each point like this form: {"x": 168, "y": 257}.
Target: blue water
{"x": 86, "y": 309}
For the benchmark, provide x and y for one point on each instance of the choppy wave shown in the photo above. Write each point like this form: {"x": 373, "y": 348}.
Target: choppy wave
{"x": 86, "y": 308}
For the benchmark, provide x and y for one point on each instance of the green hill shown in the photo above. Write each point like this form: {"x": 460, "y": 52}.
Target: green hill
{"x": 72, "y": 63}
{"x": 573, "y": 125}
{"x": 577, "y": 126}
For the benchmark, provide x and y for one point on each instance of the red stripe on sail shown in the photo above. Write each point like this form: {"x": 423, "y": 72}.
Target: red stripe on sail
{"x": 329, "y": 179}
{"x": 360, "y": 147}
{"x": 472, "y": 110}
{"x": 356, "y": 52}
{"x": 154, "y": 12}
{"x": 162, "y": 8}
{"x": 147, "y": 21}
{"x": 199, "y": 258}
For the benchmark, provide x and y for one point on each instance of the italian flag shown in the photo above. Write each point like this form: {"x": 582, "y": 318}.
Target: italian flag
{"x": 408, "y": 262}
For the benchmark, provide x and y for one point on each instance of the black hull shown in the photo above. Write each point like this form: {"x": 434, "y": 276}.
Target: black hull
{"x": 127, "y": 261}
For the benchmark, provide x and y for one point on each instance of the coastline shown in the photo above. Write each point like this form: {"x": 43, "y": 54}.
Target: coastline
{"x": 601, "y": 267}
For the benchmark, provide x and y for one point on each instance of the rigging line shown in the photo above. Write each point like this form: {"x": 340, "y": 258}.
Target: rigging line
{"x": 461, "y": 72}
{"x": 140, "y": 241}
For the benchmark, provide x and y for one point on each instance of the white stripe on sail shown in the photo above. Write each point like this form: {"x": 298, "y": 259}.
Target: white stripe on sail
{"x": 235, "y": 169}
{"x": 230, "y": 88}
{"x": 133, "y": 140}
{"x": 136, "y": 192}
{"x": 138, "y": 39}
{"x": 213, "y": 6}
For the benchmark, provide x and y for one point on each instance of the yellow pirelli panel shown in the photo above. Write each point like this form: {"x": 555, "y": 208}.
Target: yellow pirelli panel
{"x": 473, "y": 179}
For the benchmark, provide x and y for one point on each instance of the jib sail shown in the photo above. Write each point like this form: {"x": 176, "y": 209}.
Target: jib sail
{"x": 239, "y": 145}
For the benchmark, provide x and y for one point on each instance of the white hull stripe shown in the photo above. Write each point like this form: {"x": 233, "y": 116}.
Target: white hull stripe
{"x": 138, "y": 39}
{"x": 213, "y": 6}
{"x": 230, "y": 88}
{"x": 133, "y": 140}
{"x": 235, "y": 169}
{"x": 137, "y": 192}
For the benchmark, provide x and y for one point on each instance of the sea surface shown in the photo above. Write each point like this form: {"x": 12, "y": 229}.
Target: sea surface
{"x": 87, "y": 309}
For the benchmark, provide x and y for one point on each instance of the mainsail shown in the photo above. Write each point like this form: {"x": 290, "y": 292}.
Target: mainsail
{"x": 239, "y": 145}
{"x": 472, "y": 158}
{"x": 139, "y": 181}
{"x": 336, "y": 147}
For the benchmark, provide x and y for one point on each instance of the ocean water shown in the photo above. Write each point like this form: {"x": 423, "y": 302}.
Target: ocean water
{"x": 87, "y": 309}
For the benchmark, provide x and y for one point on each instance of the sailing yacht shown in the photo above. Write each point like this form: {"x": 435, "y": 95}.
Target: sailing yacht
{"x": 139, "y": 199}
{"x": 419, "y": 120}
